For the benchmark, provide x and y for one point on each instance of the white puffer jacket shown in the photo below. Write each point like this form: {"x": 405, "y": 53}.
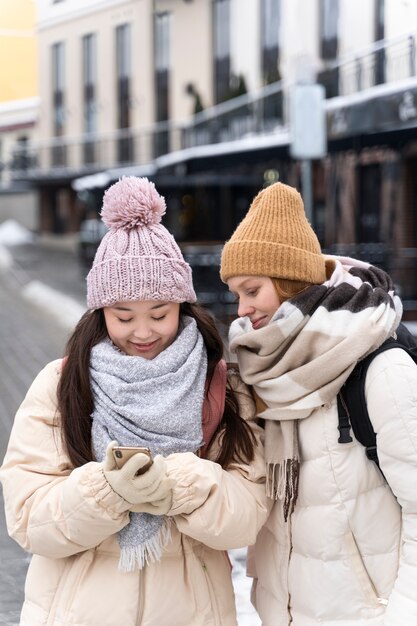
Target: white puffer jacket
{"x": 353, "y": 560}
{"x": 69, "y": 519}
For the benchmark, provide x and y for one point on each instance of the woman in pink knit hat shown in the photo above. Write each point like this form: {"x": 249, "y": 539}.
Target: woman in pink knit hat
{"x": 141, "y": 543}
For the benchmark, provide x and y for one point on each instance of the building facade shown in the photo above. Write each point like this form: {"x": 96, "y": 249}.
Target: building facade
{"x": 196, "y": 95}
{"x": 19, "y": 108}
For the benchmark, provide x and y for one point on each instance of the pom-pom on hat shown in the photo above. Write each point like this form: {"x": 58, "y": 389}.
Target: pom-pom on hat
{"x": 274, "y": 239}
{"x": 137, "y": 259}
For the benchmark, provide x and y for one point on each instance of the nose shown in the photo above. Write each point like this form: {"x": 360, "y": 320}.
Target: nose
{"x": 244, "y": 309}
{"x": 142, "y": 332}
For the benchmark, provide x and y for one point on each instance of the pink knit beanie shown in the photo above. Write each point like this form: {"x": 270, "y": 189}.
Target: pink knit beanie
{"x": 138, "y": 259}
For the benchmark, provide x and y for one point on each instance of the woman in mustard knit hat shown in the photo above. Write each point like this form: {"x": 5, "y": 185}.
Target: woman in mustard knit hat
{"x": 340, "y": 544}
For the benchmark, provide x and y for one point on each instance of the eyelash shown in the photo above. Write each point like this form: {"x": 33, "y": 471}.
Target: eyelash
{"x": 155, "y": 319}
{"x": 250, "y": 293}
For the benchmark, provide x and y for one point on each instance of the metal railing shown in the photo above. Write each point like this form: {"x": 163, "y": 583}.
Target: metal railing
{"x": 250, "y": 115}
{"x": 257, "y": 113}
{"x": 383, "y": 62}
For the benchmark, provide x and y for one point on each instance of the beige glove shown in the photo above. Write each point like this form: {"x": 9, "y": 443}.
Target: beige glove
{"x": 150, "y": 492}
{"x": 160, "y": 507}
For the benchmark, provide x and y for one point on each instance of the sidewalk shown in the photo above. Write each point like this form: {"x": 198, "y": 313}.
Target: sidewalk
{"x": 58, "y": 267}
{"x": 29, "y": 338}
{"x": 31, "y": 335}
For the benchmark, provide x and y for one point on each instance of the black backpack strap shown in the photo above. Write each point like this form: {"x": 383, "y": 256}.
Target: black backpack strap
{"x": 351, "y": 400}
{"x": 352, "y": 397}
{"x": 344, "y": 423}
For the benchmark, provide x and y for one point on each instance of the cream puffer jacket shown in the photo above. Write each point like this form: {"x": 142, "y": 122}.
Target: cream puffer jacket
{"x": 353, "y": 535}
{"x": 69, "y": 519}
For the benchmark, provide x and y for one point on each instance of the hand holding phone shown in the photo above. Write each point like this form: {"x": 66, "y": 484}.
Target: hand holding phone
{"x": 141, "y": 480}
{"x": 122, "y": 454}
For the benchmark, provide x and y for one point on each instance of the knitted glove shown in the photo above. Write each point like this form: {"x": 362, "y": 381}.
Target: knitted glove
{"x": 151, "y": 488}
{"x": 160, "y": 507}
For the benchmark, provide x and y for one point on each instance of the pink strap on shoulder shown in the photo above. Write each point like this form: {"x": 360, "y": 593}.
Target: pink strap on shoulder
{"x": 213, "y": 405}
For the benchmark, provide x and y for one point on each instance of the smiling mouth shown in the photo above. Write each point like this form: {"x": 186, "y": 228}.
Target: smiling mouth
{"x": 144, "y": 347}
{"x": 258, "y": 322}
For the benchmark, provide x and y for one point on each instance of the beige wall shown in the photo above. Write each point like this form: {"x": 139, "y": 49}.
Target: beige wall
{"x": 355, "y": 34}
{"x": 246, "y": 41}
{"x": 191, "y": 53}
{"x": 103, "y": 23}
{"x": 298, "y": 36}
{"x": 190, "y": 58}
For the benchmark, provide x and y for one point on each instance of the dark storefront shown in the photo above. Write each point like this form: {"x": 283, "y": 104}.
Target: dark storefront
{"x": 372, "y": 183}
{"x": 364, "y": 191}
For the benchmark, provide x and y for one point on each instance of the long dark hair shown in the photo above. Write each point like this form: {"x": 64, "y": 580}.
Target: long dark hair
{"x": 75, "y": 398}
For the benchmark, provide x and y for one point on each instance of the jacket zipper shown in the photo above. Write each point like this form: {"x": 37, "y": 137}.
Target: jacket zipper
{"x": 211, "y": 593}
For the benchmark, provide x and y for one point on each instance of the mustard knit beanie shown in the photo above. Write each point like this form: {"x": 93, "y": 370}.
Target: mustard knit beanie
{"x": 274, "y": 239}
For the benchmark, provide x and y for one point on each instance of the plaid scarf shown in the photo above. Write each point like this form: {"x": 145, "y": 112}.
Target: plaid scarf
{"x": 300, "y": 360}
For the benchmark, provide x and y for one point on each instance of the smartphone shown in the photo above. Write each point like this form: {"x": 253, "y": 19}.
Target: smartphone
{"x": 122, "y": 454}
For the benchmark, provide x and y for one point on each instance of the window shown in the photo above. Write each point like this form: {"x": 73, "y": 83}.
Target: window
{"x": 21, "y": 158}
{"x": 123, "y": 46}
{"x": 221, "y": 21}
{"x": 58, "y": 100}
{"x": 369, "y": 209}
{"x": 379, "y": 19}
{"x": 89, "y": 60}
{"x": 379, "y": 29}
{"x": 270, "y": 40}
{"x": 162, "y": 62}
{"x": 58, "y": 83}
{"x": 329, "y": 17}
{"x": 162, "y": 41}
{"x": 123, "y": 70}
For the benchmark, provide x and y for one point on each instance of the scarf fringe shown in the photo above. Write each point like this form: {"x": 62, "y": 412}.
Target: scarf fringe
{"x": 136, "y": 557}
{"x": 282, "y": 483}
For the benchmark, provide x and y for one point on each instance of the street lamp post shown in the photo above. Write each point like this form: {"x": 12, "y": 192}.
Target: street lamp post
{"x": 308, "y": 137}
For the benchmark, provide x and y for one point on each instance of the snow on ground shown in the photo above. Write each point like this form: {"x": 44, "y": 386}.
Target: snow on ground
{"x": 6, "y": 259}
{"x": 246, "y": 614}
{"x": 64, "y": 309}
{"x": 12, "y": 233}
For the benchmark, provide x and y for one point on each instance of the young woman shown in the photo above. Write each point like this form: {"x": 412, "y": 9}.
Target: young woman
{"x": 340, "y": 545}
{"x": 136, "y": 545}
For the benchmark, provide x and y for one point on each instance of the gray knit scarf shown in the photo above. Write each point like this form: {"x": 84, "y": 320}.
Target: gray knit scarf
{"x": 300, "y": 360}
{"x": 155, "y": 403}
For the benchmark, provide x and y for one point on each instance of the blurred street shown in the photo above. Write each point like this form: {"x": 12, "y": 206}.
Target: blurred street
{"x": 30, "y": 337}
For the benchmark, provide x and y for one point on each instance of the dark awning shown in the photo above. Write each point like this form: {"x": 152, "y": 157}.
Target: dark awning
{"x": 388, "y": 107}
